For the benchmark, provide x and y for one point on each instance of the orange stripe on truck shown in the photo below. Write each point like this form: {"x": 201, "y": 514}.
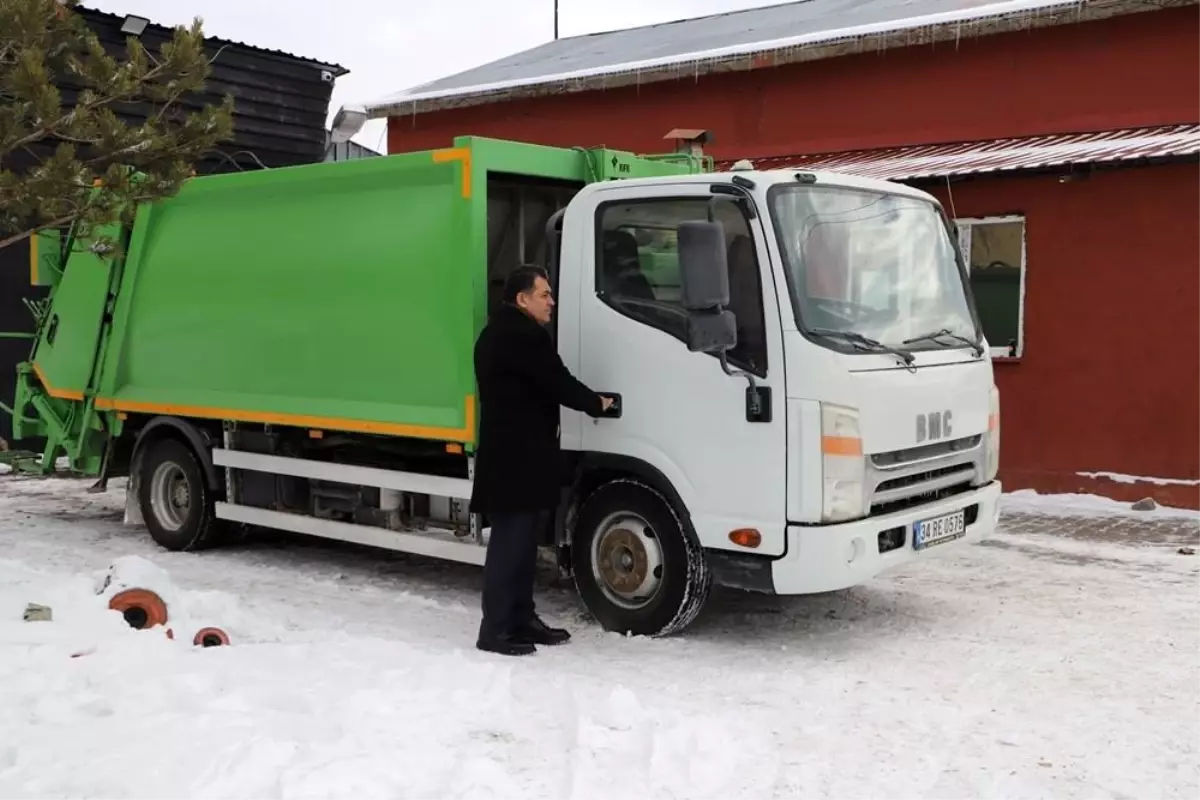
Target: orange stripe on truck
{"x": 464, "y": 434}
{"x": 33, "y": 260}
{"x": 462, "y": 154}
{"x": 61, "y": 394}
{"x": 841, "y": 446}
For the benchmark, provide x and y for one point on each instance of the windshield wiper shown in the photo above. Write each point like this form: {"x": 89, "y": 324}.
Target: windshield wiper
{"x": 866, "y": 342}
{"x": 975, "y": 346}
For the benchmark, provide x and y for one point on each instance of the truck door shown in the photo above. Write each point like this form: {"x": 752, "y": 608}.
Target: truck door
{"x": 680, "y": 413}
{"x": 65, "y": 353}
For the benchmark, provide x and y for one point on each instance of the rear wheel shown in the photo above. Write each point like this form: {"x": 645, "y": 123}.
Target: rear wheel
{"x": 176, "y": 504}
{"x": 636, "y": 566}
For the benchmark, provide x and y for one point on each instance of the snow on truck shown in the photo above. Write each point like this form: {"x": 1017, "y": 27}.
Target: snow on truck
{"x": 804, "y": 398}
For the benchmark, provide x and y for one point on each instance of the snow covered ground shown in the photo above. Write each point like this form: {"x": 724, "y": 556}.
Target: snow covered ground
{"x": 1033, "y": 665}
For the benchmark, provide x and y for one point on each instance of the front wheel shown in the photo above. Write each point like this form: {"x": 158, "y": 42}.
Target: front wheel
{"x": 637, "y": 568}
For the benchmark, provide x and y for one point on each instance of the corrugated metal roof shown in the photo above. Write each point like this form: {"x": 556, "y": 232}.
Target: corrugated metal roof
{"x": 166, "y": 31}
{"x": 999, "y": 155}
{"x": 748, "y": 39}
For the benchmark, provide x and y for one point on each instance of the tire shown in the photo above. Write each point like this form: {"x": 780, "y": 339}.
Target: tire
{"x": 176, "y": 503}
{"x": 638, "y": 569}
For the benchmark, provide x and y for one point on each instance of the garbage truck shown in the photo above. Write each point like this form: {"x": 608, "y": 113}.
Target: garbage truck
{"x": 804, "y": 394}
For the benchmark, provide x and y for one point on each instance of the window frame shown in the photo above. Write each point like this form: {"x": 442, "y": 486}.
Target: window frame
{"x": 963, "y": 228}
{"x": 598, "y": 260}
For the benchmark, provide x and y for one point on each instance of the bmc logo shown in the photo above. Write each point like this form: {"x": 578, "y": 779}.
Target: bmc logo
{"x": 932, "y": 426}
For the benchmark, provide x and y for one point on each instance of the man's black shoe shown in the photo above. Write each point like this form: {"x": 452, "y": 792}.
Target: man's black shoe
{"x": 537, "y": 632}
{"x": 505, "y": 645}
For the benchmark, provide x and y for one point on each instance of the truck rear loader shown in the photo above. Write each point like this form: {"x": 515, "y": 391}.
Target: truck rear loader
{"x": 804, "y": 392}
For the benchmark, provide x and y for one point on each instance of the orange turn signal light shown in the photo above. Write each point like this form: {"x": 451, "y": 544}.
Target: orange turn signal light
{"x": 746, "y": 537}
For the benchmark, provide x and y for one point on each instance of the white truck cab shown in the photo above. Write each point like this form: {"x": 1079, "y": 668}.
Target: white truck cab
{"x": 803, "y": 380}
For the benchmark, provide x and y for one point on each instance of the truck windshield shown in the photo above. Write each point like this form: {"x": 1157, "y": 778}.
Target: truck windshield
{"x": 879, "y": 267}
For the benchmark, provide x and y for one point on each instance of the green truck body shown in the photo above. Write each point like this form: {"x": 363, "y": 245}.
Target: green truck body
{"x": 334, "y": 297}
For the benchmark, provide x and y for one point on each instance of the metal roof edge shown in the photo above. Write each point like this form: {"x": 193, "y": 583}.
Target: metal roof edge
{"x": 1022, "y": 15}
{"x": 337, "y": 69}
{"x": 1004, "y": 155}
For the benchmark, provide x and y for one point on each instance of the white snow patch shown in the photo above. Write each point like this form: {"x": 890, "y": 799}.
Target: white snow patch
{"x": 295, "y": 711}
{"x": 1121, "y": 552}
{"x": 135, "y": 572}
{"x": 1045, "y": 668}
{"x": 1118, "y": 477}
{"x": 1028, "y": 501}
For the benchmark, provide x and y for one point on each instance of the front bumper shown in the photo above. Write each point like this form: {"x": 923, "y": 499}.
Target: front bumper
{"x": 827, "y": 558}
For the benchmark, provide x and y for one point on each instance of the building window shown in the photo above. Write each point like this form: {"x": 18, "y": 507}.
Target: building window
{"x": 637, "y": 269}
{"x": 994, "y": 248}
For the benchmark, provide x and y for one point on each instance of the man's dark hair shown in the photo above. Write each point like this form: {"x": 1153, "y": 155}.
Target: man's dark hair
{"x": 521, "y": 280}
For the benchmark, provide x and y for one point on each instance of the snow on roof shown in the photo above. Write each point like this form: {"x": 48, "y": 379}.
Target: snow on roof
{"x": 749, "y": 39}
{"x": 999, "y": 155}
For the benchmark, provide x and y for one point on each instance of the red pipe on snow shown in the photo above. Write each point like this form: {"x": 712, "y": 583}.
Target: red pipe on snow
{"x": 141, "y": 608}
{"x": 210, "y": 637}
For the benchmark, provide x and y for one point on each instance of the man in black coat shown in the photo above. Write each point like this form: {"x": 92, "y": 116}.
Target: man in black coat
{"x": 522, "y": 383}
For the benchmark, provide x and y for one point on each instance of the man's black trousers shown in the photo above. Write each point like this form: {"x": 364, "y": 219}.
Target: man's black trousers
{"x": 508, "y": 571}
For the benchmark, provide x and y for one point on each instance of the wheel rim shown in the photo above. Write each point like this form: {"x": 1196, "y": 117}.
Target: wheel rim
{"x": 627, "y": 561}
{"x": 170, "y": 496}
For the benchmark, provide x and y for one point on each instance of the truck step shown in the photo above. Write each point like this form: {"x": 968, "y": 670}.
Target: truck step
{"x": 434, "y": 543}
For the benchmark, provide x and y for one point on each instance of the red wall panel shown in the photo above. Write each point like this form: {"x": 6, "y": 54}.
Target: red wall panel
{"x": 1110, "y": 377}
{"x": 1142, "y": 69}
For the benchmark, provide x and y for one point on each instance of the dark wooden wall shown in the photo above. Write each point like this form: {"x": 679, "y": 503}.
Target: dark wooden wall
{"x": 281, "y": 104}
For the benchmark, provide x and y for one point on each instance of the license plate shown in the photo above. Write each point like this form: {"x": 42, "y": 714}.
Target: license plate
{"x": 946, "y": 528}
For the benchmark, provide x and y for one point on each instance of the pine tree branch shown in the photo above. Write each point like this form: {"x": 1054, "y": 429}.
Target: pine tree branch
{"x": 29, "y": 151}
{"x": 18, "y": 237}
{"x": 85, "y": 164}
{"x": 80, "y": 111}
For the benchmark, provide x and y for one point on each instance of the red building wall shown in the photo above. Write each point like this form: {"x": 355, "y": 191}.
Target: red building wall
{"x": 1142, "y": 69}
{"x": 1110, "y": 377}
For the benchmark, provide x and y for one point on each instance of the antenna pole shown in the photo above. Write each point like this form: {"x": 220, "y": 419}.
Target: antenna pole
{"x": 556, "y": 20}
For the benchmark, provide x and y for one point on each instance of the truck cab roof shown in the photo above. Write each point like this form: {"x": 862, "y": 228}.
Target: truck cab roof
{"x": 767, "y": 178}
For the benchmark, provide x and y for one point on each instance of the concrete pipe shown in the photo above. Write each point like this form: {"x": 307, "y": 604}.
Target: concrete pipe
{"x": 210, "y": 637}
{"x": 141, "y": 608}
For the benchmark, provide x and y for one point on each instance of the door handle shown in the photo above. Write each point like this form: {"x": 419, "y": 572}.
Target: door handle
{"x": 614, "y": 411}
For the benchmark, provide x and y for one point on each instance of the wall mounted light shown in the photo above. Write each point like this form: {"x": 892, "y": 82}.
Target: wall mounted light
{"x": 348, "y": 121}
{"x": 134, "y": 26}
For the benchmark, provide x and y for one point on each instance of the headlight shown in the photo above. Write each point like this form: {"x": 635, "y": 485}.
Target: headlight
{"x": 993, "y": 435}
{"x": 842, "y": 465}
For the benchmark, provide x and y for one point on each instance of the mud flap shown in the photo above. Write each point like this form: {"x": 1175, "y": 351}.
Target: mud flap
{"x": 133, "y": 509}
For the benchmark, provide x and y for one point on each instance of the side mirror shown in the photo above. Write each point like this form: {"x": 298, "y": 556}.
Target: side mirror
{"x": 704, "y": 278}
{"x": 703, "y": 265}
{"x": 712, "y": 333}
